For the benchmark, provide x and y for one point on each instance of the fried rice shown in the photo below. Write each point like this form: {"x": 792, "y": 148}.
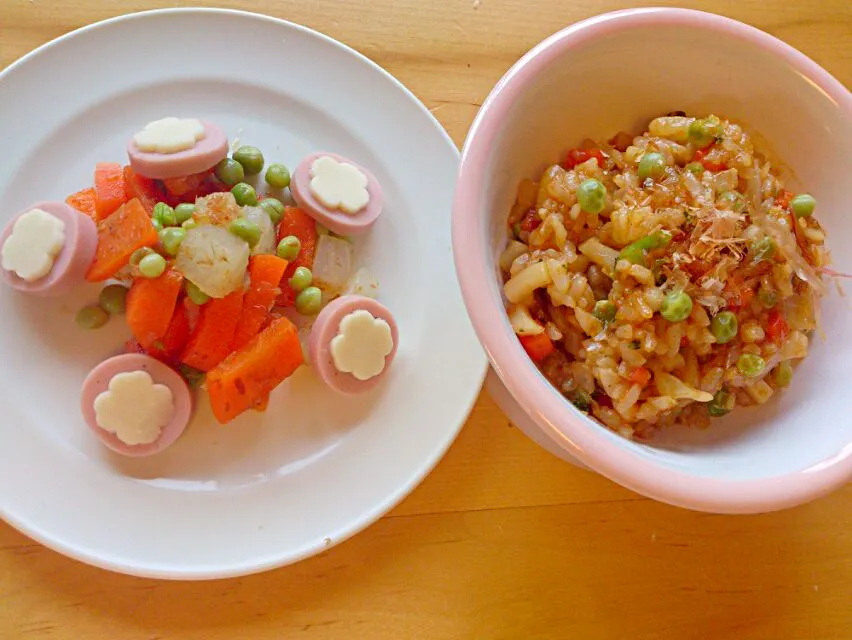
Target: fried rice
{"x": 667, "y": 277}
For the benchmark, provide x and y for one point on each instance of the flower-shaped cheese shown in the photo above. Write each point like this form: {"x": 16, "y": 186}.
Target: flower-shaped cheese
{"x": 37, "y": 238}
{"x": 361, "y": 345}
{"x": 339, "y": 185}
{"x": 169, "y": 135}
{"x": 134, "y": 408}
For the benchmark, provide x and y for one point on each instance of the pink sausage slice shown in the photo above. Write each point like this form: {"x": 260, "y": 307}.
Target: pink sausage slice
{"x": 98, "y": 381}
{"x": 326, "y": 328}
{"x": 206, "y": 153}
{"x": 70, "y": 266}
{"x": 339, "y": 222}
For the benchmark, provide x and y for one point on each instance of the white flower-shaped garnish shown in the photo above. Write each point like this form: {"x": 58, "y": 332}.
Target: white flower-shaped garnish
{"x": 361, "y": 345}
{"x": 339, "y": 185}
{"x": 31, "y": 249}
{"x": 169, "y": 135}
{"x": 134, "y": 408}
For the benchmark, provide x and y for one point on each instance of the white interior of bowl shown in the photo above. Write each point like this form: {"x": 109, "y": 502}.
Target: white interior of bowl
{"x": 619, "y": 82}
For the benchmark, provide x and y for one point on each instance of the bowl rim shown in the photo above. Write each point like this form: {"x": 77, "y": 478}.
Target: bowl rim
{"x": 596, "y": 447}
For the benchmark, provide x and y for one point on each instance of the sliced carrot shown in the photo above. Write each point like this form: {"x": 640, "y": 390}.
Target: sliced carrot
{"x": 213, "y": 337}
{"x": 151, "y": 305}
{"x": 265, "y": 273}
{"x": 128, "y": 229}
{"x": 171, "y": 345}
{"x": 109, "y": 189}
{"x": 84, "y": 202}
{"x": 295, "y": 222}
{"x": 146, "y": 190}
{"x": 245, "y": 378}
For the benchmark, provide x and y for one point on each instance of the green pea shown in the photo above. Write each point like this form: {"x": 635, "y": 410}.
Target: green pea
{"x": 274, "y": 208}
{"x": 591, "y": 194}
{"x": 581, "y": 399}
{"x": 750, "y": 365}
{"x": 289, "y": 248}
{"x": 171, "y": 238}
{"x": 703, "y": 133}
{"x": 634, "y": 254}
{"x": 516, "y": 229}
{"x": 113, "y": 299}
{"x": 189, "y": 224}
{"x": 244, "y": 194}
{"x": 695, "y": 167}
{"x": 803, "y": 205}
{"x": 309, "y": 301}
{"x": 157, "y": 224}
{"x": 731, "y": 200}
{"x": 676, "y": 306}
{"x": 91, "y": 317}
{"x": 784, "y": 374}
{"x": 767, "y": 297}
{"x": 193, "y": 376}
{"x": 246, "y": 229}
{"x": 277, "y": 176}
{"x": 301, "y": 279}
{"x": 229, "y": 171}
{"x": 183, "y": 212}
{"x": 136, "y": 256}
{"x": 724, "y": 326}
{"x": 763, "y": 249}
{"x": 195, "y": 294}
{"x": 152, "y": 265}
{"x": 721, "y": 404}
{"x": 164, "y": 214}
{"x": 652, "y": 165}
{"x": 251, "y": 158}
{"x": 604, "y": 311}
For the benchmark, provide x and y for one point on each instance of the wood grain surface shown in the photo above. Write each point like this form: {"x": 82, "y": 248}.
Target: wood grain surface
{"x": 502, "y": 541}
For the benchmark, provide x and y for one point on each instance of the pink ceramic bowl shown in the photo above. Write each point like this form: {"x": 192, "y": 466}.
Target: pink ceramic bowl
{"x": 615, "y": 72}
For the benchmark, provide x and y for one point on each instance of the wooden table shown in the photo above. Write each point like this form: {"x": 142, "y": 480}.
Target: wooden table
{"x": 503, "y": 541}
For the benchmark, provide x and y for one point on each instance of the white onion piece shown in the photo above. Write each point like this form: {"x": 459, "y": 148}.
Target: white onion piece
{"x": 267, "y": 242}
{"x": 214, "y": 259}
{"x": 362, "y": 283}
{"x": 332, "y": 263}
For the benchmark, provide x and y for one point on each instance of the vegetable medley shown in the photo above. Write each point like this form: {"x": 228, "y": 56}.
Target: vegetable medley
{"x": 663, "y": 278}
{"x": 217, "y": 277}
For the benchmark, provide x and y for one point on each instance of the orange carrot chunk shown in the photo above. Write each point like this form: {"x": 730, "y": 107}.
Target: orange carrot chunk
{"x": 128, "y": 229}
{"x": 145, "y": 189}
{"x": 84, "y": 202}
{"x": 246, "y": 377}
{"x": 213, "y": 337}
{"x": 295, "y": 222}
{"x": 265, "y": 273}
{"x": 151, "y": 306}
{"x": 109, "y": 189}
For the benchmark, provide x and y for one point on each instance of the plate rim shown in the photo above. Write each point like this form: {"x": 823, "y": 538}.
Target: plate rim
{"x": 381, "y": 508}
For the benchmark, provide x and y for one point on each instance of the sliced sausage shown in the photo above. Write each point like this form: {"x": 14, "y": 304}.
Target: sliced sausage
{"x": 206, "y": 153}
{"x": 98, "y": 381}
{"x": 340, "y": 222}
{"x": 70, "y": 266}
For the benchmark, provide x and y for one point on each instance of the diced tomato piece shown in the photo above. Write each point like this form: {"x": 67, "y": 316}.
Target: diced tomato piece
{"x": 777, "y": 328}
{"x": 640, "y": 376}
{"x": 701, "y": 156}
{"x": 783, "y": 198}
{"x": 538, "y": 346}
{"x": 579, "y": 156}
{"x": 530, "y": 221}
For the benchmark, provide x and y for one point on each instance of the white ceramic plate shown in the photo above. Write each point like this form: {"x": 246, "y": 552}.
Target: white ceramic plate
{"x": 271, "y": 488}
